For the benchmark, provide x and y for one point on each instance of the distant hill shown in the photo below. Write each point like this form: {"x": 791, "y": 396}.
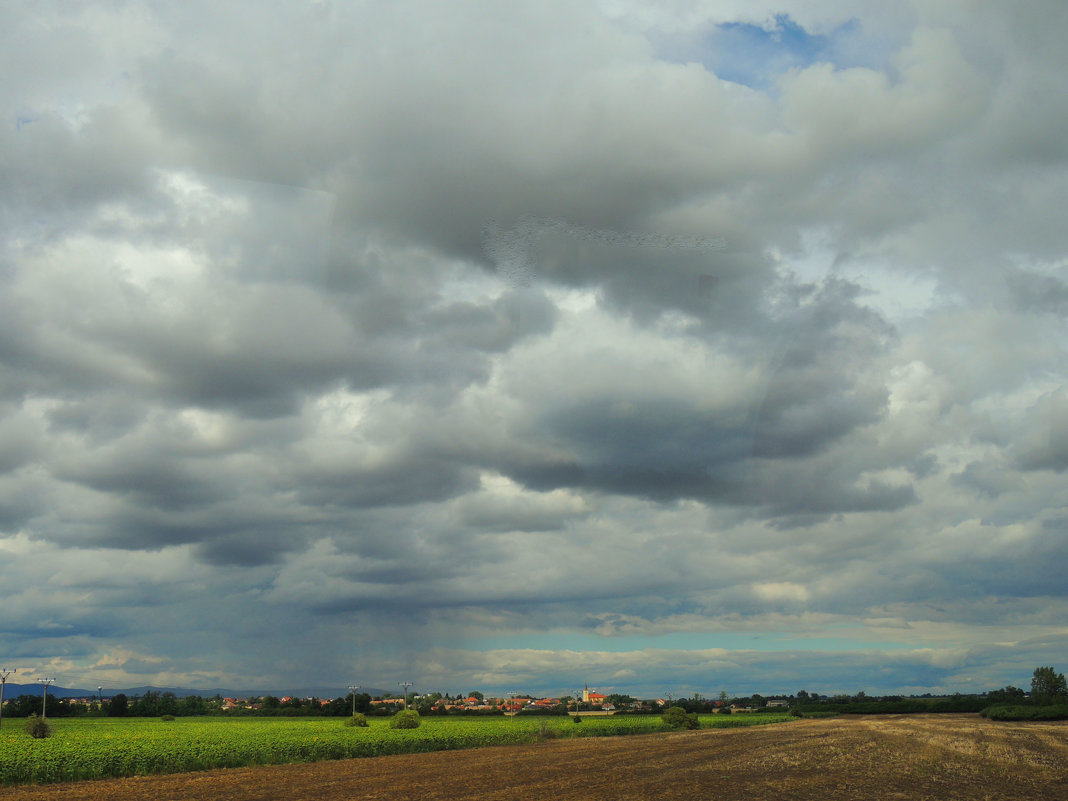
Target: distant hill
{"x": 13, "y": 690}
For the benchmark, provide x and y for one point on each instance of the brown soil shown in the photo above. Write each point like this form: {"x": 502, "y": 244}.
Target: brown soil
{"x": 918, "y": 757}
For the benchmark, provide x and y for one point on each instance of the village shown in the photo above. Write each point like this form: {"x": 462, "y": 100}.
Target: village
{"x": 590, "y": 702}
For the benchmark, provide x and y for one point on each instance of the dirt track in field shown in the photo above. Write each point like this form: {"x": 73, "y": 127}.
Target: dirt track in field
{"x": 894, "y": 758}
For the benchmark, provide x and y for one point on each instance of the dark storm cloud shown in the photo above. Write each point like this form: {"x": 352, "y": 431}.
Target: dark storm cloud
{"x": 759, "y": 450}
{"x": 1038, "y": 293}
{"x": 413, "y": 480}
{"x": 987, "y": 479}
{"x": 659, "y": 449}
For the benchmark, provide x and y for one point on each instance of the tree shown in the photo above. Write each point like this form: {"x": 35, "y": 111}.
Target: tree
{"x": 271, "y": 702}
{"x": 1006, "y": 695}
{"x": 477, "y": 695}
{"x": 363, "y": 703}
{"x": 1048, "y": 686}
{"x": 145, "y": 706}
{"x": 339, "y": 707}
{"x": 168, "y": 704}
{"x": 118, "y": 706}
{"x": 192, "y": 705}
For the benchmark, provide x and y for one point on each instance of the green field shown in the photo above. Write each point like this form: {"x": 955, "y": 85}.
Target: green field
{"x": 96, "y": 748}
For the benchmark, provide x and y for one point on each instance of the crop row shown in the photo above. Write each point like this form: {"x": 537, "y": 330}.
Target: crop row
{"x": 105, "y": 748}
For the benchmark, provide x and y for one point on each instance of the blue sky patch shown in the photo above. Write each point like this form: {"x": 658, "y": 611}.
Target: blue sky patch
{"x": 755, "y": 55}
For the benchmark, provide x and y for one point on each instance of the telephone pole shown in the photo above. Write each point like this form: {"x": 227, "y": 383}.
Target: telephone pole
{"x": 354, "y": 688}
{"x": 4, "y": 673}
{"x": 405, "y": 685}
{"x": 44, "y": 696}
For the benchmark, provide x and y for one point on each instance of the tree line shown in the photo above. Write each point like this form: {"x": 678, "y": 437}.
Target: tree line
{"x": 157, "y": 704}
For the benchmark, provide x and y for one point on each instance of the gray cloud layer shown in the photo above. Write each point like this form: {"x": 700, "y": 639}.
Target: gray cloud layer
{"x": 516, "y": 346}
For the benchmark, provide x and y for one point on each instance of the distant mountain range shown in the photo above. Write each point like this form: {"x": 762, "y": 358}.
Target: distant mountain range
{"x": 13, "y": 690}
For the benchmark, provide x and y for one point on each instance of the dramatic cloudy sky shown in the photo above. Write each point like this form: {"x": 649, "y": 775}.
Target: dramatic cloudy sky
{"x": 686, "y": 346}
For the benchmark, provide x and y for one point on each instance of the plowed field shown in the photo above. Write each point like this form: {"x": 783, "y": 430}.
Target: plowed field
{"x": 919, "y": 757}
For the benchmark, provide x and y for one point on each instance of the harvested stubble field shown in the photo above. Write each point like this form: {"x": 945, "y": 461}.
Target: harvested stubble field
{"x": 917, "y": 757}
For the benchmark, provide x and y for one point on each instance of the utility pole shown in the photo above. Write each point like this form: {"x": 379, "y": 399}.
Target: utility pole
{"x": 405, "y": 685}
{"x": 354, "y": 688}
{"x": 4, "y": 673}
{"x": 44, "y": 696}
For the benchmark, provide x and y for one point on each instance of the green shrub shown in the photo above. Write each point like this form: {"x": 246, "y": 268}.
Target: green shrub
{"x": 359, "y": 719}
{"x": 675, "y": 717}
{"x": 167, "y": 718}
{"x": 38, "y": 728}
{"x": 1026, "y": 712}
{"x": 577, "y": 719}
{"x": 405, "y": 719}
{"x": 547, "y": 732}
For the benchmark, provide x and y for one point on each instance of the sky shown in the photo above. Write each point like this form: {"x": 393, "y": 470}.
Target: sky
{"x": 656, "y": 347}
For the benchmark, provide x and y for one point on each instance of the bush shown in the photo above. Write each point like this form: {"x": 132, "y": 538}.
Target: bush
{"x": 1026, "y": 712}
{"x": 167, "y": 718}
{"x": 38, "y": 728}
{"x": 547, "y": 732}
{"x": 405, "y": 719}
{"x": 576, "y": 719}
{"x": 675, "y": 717}
{"x": 359, "y": 719}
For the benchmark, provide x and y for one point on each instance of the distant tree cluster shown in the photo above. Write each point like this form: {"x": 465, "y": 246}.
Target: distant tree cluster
{"x": 25, "y": 705}
{"x": 1048, "y": 701}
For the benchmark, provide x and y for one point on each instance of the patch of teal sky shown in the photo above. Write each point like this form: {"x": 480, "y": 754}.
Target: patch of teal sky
{"x": 683, "y": 641}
